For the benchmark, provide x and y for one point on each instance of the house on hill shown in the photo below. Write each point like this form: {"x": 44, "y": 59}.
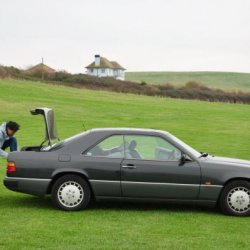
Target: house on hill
{"x": 102, "y": 67}
{"x": 39, "y": 69}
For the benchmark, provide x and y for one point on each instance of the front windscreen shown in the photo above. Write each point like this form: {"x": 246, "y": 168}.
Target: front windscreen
{"x": 184, "y": 145}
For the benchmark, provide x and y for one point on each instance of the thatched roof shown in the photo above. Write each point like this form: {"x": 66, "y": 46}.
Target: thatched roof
{"x": 116, "y": 65}
{"x": 105, "y": 63}
{"x": 40, "y": 68}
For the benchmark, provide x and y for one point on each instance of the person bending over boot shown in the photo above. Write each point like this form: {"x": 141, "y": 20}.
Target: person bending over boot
{"x": 7, "y": 139}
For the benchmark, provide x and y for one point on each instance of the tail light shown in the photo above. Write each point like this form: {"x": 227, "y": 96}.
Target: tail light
{"x": 11, "y": 167}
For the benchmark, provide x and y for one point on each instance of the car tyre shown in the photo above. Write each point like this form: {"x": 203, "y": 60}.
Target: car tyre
{"x": 71, "y": 193}
{"x": 235, "y": 198}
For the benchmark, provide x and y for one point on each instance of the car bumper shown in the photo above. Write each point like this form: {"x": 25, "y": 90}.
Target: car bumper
{"x": 32, "y": 186}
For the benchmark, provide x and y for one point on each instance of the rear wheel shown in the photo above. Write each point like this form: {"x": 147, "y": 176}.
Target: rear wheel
{"x": 235, "y": 198}
{"x": 71, "y": 193}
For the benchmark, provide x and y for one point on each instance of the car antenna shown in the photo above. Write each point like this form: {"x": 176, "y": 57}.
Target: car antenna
{"x": 84, "y": 126}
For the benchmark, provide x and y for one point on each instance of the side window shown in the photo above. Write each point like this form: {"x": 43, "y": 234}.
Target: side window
{"x": 111, "y": 147}
{"x": 150, "y": 148}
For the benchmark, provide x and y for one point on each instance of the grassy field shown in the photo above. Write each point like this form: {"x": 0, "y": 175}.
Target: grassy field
{"x": 223, "y": 80}
{"x": 30, "y": 223}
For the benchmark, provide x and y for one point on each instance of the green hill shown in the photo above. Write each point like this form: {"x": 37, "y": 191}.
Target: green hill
{"x": 32, "y": 223}
{"x": 223, "y": 80}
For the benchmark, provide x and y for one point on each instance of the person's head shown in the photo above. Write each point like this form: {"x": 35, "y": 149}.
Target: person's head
{"x": 132, "y": 145}
{"x": 12, "y": 128}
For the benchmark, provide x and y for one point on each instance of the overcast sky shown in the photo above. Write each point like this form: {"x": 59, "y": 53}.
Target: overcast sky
{"x": 156, "y": 35}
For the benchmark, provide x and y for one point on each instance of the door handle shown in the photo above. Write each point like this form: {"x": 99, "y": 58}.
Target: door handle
{"x": 129, "y": 166}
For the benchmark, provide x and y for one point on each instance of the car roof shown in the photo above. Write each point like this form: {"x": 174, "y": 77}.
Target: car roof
{"x": 99, "y": 133}
{"x": 128, "y": 130}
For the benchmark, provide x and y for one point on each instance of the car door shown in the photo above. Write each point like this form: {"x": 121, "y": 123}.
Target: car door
{"x": 102, "y": 163}
{"x": 152, "y": 169}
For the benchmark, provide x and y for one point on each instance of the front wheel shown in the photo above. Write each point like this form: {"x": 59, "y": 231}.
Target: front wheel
{"x": 235, "y": 198}
{"x": 71, "y": 193}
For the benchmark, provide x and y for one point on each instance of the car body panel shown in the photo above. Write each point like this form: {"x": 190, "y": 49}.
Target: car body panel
{"x": 218, "y": 172}
{"x": 31, "y": 186}
{"x": 160, "y": 179}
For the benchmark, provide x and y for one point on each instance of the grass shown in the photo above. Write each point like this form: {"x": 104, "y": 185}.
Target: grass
{"x": 32, "y": 223}
{"x": 222, "y": 80}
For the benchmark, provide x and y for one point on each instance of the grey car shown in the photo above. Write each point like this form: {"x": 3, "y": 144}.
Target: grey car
{"x": 126, "y": 164}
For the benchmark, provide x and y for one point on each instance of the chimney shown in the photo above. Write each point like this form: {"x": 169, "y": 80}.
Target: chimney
{"x": 97, "y": 60}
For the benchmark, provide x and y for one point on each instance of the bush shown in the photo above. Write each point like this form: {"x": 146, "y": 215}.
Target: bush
{"x": 191, "y": 90}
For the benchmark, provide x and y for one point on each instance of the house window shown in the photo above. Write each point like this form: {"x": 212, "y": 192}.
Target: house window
{"x": 92, "y": 70}
{"x": 103, "y": 70}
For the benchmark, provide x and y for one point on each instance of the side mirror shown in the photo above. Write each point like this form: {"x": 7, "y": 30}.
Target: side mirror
{"x": 184, "y": 158}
